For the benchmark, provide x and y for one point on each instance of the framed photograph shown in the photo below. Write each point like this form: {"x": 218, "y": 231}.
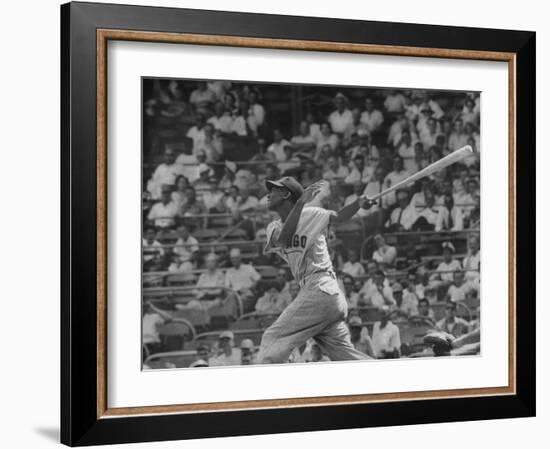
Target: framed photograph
{"x": 283, "y": 224}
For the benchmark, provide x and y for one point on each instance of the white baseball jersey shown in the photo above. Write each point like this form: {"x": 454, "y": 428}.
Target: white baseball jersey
{"x": 308, "y": 252}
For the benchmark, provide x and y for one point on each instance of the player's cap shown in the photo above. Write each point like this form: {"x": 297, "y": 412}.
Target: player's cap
{"x": 355, "y": 321}
{"x": 226, "y": 334}
{"x": 289, "y": 183}
{"x": 199, "y": 364}
{"x": 397, "y": 287}
{"x": 247, "y": 344}
{"x": 448, "y": 245}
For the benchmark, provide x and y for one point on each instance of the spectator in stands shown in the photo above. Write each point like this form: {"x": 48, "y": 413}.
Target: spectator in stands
{"x": 205, "y": 173}
{"x": 202, "y": 98}
{"x": 228, "y": 355}
{"x": 327, "y": 137}
{"x": 449, "y": 265}
{"x": 246, "y": 202}
{"x": 278, "y": 145}
{"x": 395, "y": 102}
{"x": 188, "y": 163}
{"x": 384, "y": 254}
{"x": 211, "y": 282}
{"x": 221, "y": 120}
{"x": 242, "y": 278}
{"x": 398, "y": 174}
{"x": 179, "y": 267}
{"x": 247, "y": 352}
{"x": 359, "y": 172}
{"x": 341, "y": 118}
{"x": 355, "y": 128}
{"x": 193, "y": 206}
{"x": 211, "y": 144}
{"x": 405, "y": 304}
{"x": 400, "y": 125}
{"x": 375, "y": 185}
{"x": 423, "y": 282}
{"x": 471, "y": 263}
{"x": 371, "y": 116}
{"x": 404, "y": 215}
{"x": 232, "y": 200}
{"x": 386, "y": 337}
{"x": 270, "y": 302}
{"x": 469, "y": 113}
{"x": 197, "y": 133}
{"x": 360, "y": 337}
{"x": 304, "y": 142}
{"x": 348, "y": 286}
{"x": 244, "y": 124}
{"x": 243, "y": 178}
{"x": 450, "y": 217}
{"x": 424, "y": 310}
{"x": 460, "y": 287}
{"x": 428, "y": 135}
{"x": 186, "y": 247}
{"x": 353, "y": 267}
{"x": 256, "y": 109}
{"x": 334, "y": 169}
{"x": 452, "y": 324}
{"x": 213, "y": 197}
{"x": 203, "y": 355}
{"x": 152, "y": 319}
{"x": 165, "y": 174}
{"x": 458, "y": 137}
{"x": 178, "y": 195}
{"x": 164, "y": 212}
{"x": 428, "y": 217}
{"x": 474, "y": 215}
{"x": 228, "y": 178}
{"x": 152, "y": 250}
{"x": 405, "y": 149}
{"x": 377, "y": 293}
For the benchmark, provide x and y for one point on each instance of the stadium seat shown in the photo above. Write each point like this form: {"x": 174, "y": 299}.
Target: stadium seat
{"x": 206, "y": 235}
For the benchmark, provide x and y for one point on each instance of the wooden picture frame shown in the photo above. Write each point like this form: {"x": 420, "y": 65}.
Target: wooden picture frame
{"x": 86, "y": 29}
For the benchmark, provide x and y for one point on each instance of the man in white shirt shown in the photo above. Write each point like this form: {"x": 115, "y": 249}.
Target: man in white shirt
{"x": 340, "y": 119}
{"x": 213, "y": 197}
{"x": 449, "y": 217}
{"x": 229, "y": 355}
{"x": 163, "y": 213}
{"x": 404, "y": 215}
{"x": 353, "y": 267}
{"x": 372, "y": 117}
{"x": 471, "y": 262}
{"x": 406, "y": 303}
{"x": 277, "y": 148}
{"x": 397, "y": 175}
{"x": 242, "y": 278}
{"x": 187, "y": 246}
{"x": 151, "y": 249}
{"x": 384, "y": 254}
{"x": 334, "y": 169}
{"x": 428, "y": 217}
{"x": 210, "y": 282}
{"x": 378, "y": 292}
{"x": 359, "y": 172}
{"x": 221, "y": 120}
{"x": 196, "y": 133}
{"x": 386, "y": 337}
{"x": 304, "y": 142}
{"x": 460, "y": 287}
{"x": 458, "y": 137}
{"x": 165, "y": 174}
{"x": 451, "y": 323}
{"x": 449, "y": 265}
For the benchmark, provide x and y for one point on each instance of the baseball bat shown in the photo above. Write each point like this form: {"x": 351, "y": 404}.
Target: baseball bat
{"x": 450, "y": 159}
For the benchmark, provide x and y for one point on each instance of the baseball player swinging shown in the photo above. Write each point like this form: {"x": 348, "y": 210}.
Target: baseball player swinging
{"x": 320, "y": 309}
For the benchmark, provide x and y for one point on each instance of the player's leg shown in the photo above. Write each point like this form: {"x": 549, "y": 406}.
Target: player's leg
{"x": 336, "y": 344}
{"x": 301, "y": 320}
{"x": 335, "y": 339}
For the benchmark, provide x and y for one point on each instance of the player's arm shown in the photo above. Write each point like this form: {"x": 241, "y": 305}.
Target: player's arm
{"x": 348, "y": 211}
{"x": 291, "y": 222}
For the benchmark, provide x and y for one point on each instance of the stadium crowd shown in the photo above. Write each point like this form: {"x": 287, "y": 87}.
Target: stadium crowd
{"x": 208, "y": 148}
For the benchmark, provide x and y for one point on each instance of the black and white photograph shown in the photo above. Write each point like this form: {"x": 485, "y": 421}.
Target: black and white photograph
{"x": 296, "y": 223}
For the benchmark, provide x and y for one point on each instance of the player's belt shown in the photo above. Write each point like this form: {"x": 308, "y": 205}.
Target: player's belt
{"x": 304, "y": 281}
